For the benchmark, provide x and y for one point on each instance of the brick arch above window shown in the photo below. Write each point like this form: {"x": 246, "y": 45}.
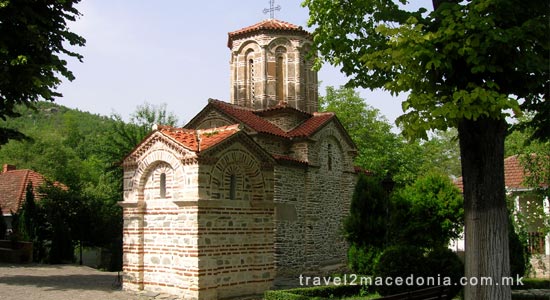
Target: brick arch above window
{"x": 158, "y": 182}
{"x": 331, "y": 154}
{"x": 248, "y": 46}
{"x": 147, "y": 174}
{"x": 279, "y": 43}
{"x": 237, "y": 175}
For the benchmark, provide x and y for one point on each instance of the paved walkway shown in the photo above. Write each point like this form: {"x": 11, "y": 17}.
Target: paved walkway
{"x": 55, "y": 282}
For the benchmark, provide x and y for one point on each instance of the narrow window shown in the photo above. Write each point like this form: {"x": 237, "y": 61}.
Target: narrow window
{"x": 251, "y": 92}
{"x": 329, "y": 153}
{"x": 163, "y": 185}
{"x": 279, "y": 74}
{"x": 232, "y": 186}
{"x": 279, "y": 79}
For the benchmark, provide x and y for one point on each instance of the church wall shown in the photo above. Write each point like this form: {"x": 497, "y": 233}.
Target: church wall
{"x": 159, "y": 236}
{"x": 213, "y": 119}
{"x": 291, "y": 189}
{"x": 271, "y": 144}
{"x": 236, "y": 255}
{"x": 236, "y": 248}
{"x": 160, "y": 249}
{"x": 285, "y": 121}
{"x": 332, "y": 184}
{"x": 311, "y": 204}
{"x": 300, "y": 151}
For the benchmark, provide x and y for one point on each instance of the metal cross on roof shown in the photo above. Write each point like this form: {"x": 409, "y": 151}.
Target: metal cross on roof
{"x": 272, "y": 8}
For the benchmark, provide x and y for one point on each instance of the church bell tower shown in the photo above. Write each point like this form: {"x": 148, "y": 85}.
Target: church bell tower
{"x": 270, "y": 66}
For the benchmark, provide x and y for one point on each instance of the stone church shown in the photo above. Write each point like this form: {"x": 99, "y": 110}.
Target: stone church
{"x": 247, "y": 192}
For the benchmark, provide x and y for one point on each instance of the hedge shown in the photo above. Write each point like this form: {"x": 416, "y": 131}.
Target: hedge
{"x": 314, "y": 293}
{"x": 533, "y": 283}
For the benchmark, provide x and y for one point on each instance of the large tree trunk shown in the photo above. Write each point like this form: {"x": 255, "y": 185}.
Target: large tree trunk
{"x": 486, "y": 215}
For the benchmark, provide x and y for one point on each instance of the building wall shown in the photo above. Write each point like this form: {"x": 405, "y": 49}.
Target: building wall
{"x": 311, "y": 203}
{"x": 159, "y": 236}
{"x": 291, "y": 190}
{"x": 236, "y": 248}
{"x": 285, "y": 120}
{"x": 193, "y": 240}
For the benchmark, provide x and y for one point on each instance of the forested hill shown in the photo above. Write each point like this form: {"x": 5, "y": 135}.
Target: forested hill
{"x": 64, "y": 144}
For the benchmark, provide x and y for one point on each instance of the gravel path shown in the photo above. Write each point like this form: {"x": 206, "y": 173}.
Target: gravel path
{"x": 58, "y": 282}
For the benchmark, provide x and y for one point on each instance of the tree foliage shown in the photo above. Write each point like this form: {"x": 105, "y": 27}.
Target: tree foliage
{"x": 433, "y": 210}
{"x": 3, "y": 225}
{"x": 123, "y": 136}
{"x": 384, "y": 152}
{"x": 464, "y": 60}
{"x": 367, "y": 222}
{"x": 34, "y": 40}
{"x": 465, "y": 64}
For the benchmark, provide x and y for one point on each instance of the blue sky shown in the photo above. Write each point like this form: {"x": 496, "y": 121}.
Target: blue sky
{"x": 173, "y": 52}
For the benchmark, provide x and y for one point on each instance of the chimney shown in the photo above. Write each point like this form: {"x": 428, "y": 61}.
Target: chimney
{"x": 7, "y": 168}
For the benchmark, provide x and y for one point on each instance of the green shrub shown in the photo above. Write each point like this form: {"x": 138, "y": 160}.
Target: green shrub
{"x": 434, "y": 268}
{"x": 400, "y": 261}
{"x": 533, "y": 283}
{"x": 3, "y": 225}
{"x": 443, "y": 262}
{"x": 283, "y": 295}
{"x": 367, "y": 222}
{"x": 361, "y": 259}
{"x": 519, "y": 256}
{"x": 314, "y": 293}
{"x": 427, "y": 213}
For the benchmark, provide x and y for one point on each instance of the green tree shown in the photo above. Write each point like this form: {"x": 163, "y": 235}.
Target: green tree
{"x": 428, "y": 213}
{"x": 368, "y": 129}
{"x": 67, "y": 221}
{"x": 465, "y": 64}
{"x": 365, "y": 226}
{"x": 34, "y": 36}
{"x": 367, "y": 222}
{"x": 384, "y": 152}
{"x": 124, "y": 136}
{"x": 28, "y": 215}
{"x": 3, "y": 225}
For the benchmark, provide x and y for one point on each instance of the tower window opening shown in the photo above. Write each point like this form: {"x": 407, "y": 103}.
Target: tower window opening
{"x": 279, "y": 74}
{"x": 250, "y": 83}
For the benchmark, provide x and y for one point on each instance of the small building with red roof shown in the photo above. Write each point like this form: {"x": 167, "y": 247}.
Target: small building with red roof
{"x": 13, "y": 189}
{"x": 249, "y": 191}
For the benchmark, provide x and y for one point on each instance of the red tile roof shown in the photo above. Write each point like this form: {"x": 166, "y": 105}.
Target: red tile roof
{"x": 247, "y": 117}
{"x": 514, "y": 174}
{"x": 253, "y": 120}
{"x": 13, "y": 186}
{"x": 311, "y": 125}
{"x": 269, "y": 25}
{"x": 199, "y": 140}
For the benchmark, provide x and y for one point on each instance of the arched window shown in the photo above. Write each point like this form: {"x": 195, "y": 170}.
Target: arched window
{"x": 232, "y": 186}
{"x": 280, "y": 74}
{"x": 163, "y": 185}
{"x": 250, "y": 83}
{"x": 329, "y": 155}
